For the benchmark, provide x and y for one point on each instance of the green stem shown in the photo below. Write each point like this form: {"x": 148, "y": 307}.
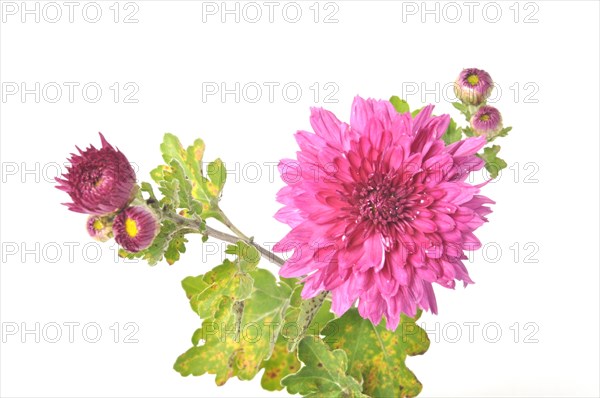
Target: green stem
{"x": 269, "y": 255}
{"x": 194, "y": 225}
{"x": 227, "y": 222}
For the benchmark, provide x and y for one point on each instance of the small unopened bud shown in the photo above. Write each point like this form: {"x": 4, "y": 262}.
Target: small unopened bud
{"x": 100, "y": 227}
{"x": 473, "y": 86}
{"x": 487, "y": 121}
{"x": 135, "y": 228}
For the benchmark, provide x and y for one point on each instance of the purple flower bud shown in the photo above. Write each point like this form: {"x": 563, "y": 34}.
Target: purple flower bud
{"x": 487, "y": 121}
{"x": 135, "y": 228}
{"x": 99, "y": 181}
{"x": 473, "y": 86}
{"x": 99, "y": 227}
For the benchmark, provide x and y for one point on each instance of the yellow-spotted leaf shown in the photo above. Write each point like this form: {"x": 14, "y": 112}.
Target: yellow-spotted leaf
{"x": 280, "y": 364}
{"x": 324, "y": 374}
{"x": 377, "y": 355}
{"x": 308, "y": 319}
{"x": 198, "y": 192}
{"x": 241, "y": 334}
{"x": 231, "y": 280}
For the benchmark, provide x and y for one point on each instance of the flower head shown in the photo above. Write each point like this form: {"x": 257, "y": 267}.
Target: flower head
{"x": 135, "y": 228}
{"x": 487, "y": 121}
{"x": 99, "y": 227}
{"x": 99, "y": 181}
{"x": 473, "y": 86}
{"x": 380, "y": 209}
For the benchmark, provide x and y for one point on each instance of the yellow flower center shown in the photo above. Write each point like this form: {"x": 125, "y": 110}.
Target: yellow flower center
{"x": 98, "y": 225}
{"x": 473, "y": 79}
{"x": 485, "y": 118}
{"x": 131, "y": 227}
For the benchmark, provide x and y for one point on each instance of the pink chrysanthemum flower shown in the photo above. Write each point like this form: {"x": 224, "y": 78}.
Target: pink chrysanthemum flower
{"x": 487, "y": 121}
{"x": 473, "y": 86}
{"x": 135, "y": 228}
{"x": 99, "y": 181}
{"x": 380, "y": 209}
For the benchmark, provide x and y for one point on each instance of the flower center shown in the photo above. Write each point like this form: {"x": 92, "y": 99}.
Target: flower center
{"x": 98, "y": 225}
{"x": 485, "y": 117}
{"x": 379, "y": 201}
{"x": 92, "y": 177}
{"x": 131, "y": 227}
{"x": 473, "y": 80}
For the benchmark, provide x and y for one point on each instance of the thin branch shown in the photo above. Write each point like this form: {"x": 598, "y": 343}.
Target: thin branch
{"x": 225, "y": 237}
{"x": 272, "y": 257}
{"x": 227, "y": 222}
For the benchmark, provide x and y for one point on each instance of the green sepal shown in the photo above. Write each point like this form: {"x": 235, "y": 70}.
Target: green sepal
{"x": 399, "y": 104}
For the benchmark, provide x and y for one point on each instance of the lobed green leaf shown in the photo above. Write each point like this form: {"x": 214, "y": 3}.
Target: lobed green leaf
{"x": 493, "y": 164}
{"x": 243, "y": 308}
{"x": 183, "y": 182}
{"x": 324, "y": 373}
{"x": 377, "y": 355}
{"x": 452, "y": 134}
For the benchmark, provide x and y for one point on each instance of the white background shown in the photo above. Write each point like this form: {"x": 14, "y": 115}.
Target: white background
{"x": 376, "y": 49}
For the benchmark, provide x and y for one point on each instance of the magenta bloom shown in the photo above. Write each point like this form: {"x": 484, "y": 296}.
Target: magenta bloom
{"x": 473, "y": 86}
{"x": 487, "y": 121}
{"x": 99, "y": 181}
{"x": 135, "y": 228}
{"x": 380, "y": 209}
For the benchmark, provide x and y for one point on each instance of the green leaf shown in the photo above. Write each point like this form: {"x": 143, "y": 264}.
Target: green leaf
{"x": 283, "y": 362}
{"x": 217, "y": 174}
{"x": 175, "y": 247}
{"x": 453, "y": 134}
{"x": 501, "y": 133}
{"x": 416, "y": 112}
{"x": 237, "y": 337}
{"x": 468, "y": 132}
{"x": 308, "y": 319}
{"x": 493, "y": 164}
{"x": 186, "y": 199}
{"x": 460, "y": 106}
{"x": 193, "y": 285}
{"x": 167, "y": 185}
{"x": 377, "y": 355}
{"x": 400, "y": 105}
{"x": 183, "y": 182}
{"x": 466, "y": 110}
{"x": 302, "y": 318}
{"x": 243, "y": 309}
{"x": 146, "y": 187}
{"x": 248, "y": 256}
{"x": 280, "y": 364}
{"x": 324, "y": 373}
{"x": 225, "y": 280}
